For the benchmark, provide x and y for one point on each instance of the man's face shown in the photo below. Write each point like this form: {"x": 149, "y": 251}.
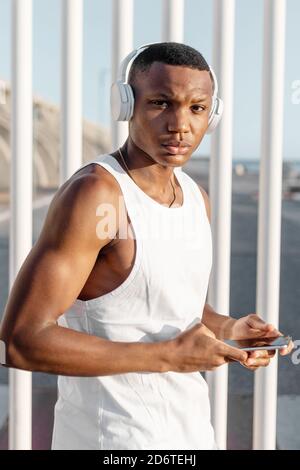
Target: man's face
{"x": 172, "y": 105}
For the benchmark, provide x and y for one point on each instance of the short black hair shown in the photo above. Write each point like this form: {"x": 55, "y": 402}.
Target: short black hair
{"x": 170, "y": 53}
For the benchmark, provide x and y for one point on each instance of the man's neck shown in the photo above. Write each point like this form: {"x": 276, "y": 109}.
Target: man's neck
{"x": 145, "y": 171}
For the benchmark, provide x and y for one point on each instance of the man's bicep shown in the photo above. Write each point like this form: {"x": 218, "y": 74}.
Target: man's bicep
{"x": 51, "y": 280}
{"x": 46, "y": 286}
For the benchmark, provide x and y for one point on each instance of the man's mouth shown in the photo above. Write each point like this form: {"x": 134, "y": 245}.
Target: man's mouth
{"x": 177, "y": 147}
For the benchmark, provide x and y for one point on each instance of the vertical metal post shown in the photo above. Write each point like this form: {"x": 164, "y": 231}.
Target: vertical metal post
{"x": 220, "y": 196}
{"x": 71, "y": 87}
{"x": 20, "y": 393}
{"x": 269, "y": 219}
{"x": 122, "y": 44}
{"x": 173, "y": 20}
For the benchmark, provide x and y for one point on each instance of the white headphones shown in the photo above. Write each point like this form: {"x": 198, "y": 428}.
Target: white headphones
{"x": 122, "y": 98}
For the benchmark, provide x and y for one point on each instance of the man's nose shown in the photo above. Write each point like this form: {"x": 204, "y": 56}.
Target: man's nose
{"x": 178, "y": 122}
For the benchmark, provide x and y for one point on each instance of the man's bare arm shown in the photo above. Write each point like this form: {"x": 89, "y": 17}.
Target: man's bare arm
{"x": 50, "y": 280}
{"x": 221, "y": 325}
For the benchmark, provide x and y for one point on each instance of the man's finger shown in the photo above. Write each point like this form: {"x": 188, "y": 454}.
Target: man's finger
{"x": 257, "y": 323}
{"x": 263, "y": 333}
{"x": 285, "y": 351}
{"x": 249, "y": 367}
{"x": 234, "y": 353}
{"x": 259, "y": 362}
{"x": 262, "y": 353}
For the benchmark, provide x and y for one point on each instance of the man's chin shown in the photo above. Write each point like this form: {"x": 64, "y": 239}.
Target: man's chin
{"x": 174, "y": 160}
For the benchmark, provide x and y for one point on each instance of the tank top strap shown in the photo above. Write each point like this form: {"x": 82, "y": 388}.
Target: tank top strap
{"x": 193, "y": 189}
{"x": 130, "y": 197}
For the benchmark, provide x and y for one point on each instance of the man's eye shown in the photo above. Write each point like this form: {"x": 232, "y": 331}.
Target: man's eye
{"x": 160, "y": 103}
{"x": 198, "y": 107}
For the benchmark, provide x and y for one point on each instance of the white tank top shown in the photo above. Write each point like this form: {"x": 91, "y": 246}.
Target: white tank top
{"x": 163, "y": 295}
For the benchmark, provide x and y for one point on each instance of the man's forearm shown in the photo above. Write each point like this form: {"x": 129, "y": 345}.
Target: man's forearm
{"x": 220, "y": 325}
{"x": 58, "y": 350}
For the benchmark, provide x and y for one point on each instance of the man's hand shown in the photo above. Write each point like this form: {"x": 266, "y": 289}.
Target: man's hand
{"x": 252, "y": 326}
{"x": 197, "y": 349}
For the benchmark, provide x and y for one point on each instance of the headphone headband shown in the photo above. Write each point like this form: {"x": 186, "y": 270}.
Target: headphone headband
{"x": 126, "y": 61}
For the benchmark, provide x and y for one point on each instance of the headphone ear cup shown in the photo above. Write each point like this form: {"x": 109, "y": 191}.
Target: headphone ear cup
{"x": 121, "y": 101}
{"x": 130, "y": 108}
{"x": 215, "y": 116}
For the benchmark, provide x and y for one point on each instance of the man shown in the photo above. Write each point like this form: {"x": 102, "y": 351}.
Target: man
{"x": 112, "y": 295}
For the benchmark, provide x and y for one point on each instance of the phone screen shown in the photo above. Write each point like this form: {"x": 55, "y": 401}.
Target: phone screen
{"x": 261, "y": 343}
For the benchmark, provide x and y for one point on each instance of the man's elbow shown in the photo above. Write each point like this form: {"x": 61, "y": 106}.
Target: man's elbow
{"x": 15, "y": 352}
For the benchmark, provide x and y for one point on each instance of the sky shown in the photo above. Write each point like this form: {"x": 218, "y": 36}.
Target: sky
{"x": 198, "y": 33}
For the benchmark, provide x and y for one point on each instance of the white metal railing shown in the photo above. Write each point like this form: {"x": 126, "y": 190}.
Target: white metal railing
{"x": 220, "y": 197}
{"x": 173, "y": 20}
{"x": 20, "y": 390}
{"x": 269, "y": 219}
{"x": 71, "y": 87}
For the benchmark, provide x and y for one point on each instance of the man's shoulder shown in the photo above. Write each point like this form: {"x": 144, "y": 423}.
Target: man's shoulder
{"x": 75, "y": 206}
{"x": 89, "y": 185}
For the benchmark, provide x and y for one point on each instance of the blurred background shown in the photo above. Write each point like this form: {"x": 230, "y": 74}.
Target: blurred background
{"x": 246, "y": 153}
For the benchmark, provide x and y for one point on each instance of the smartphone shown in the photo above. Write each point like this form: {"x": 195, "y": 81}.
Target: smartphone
{"x": 281, "y": 342}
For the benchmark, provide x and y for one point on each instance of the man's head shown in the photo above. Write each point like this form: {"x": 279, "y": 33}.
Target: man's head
{"x": 173, "y": 89}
